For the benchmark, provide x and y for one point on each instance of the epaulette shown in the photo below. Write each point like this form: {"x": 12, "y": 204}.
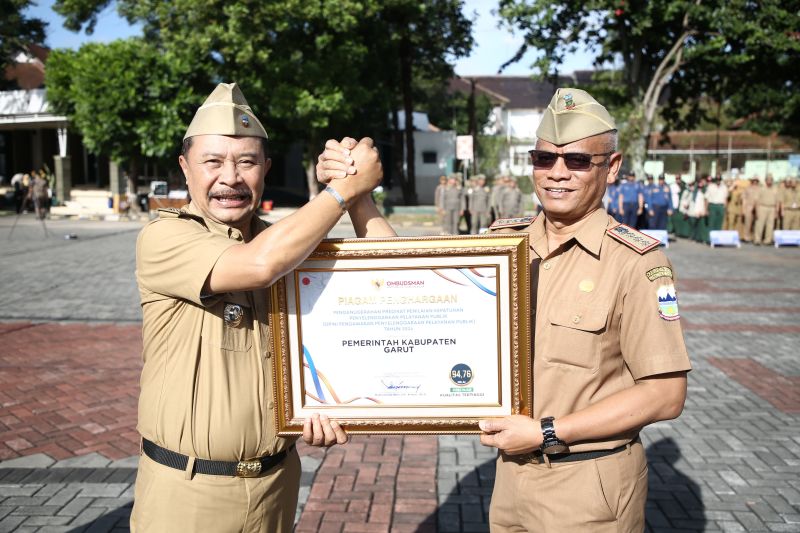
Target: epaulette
{"x": 635, "y": 240}
{"x": 511, "y": 222}
{"x": 169, "y": 212}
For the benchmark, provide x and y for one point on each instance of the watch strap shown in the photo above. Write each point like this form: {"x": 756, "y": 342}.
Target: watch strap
{"x": 551, "y": 444}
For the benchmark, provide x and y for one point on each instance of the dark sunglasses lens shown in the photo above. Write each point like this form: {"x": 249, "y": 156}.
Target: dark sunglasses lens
{"x": 578, "y": 161}
{"x": 543, "y": 159}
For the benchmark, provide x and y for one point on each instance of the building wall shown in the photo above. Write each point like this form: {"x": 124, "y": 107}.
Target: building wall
{"x": 435, "y": 152}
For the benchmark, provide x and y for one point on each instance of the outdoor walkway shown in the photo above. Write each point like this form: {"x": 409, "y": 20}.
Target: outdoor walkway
{"x": 70, "y": 350}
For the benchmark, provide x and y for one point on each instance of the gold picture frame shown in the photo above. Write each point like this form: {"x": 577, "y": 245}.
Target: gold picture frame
{"x": 389, "y": 321}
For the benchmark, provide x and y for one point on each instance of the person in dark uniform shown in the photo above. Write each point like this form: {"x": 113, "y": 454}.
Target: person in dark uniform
{"x": 631, "y": 200}
{"x": 659, "y": 202}
{"x": 608, "y": 350}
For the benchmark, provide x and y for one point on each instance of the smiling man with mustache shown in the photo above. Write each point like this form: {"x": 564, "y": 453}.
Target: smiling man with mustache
{"x": 211, "y": 458}
{"x": 608, "y": 350}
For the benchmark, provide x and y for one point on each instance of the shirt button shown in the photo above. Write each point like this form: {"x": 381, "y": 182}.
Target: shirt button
{"x": 270, "y": 405}
{"x": 576, "y": 319}
{"x": 546, "y": 266}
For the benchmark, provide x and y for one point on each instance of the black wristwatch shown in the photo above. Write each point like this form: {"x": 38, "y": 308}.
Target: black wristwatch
{"x": 550, "y": 442}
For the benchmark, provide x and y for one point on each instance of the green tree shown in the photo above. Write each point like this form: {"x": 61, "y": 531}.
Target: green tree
{"x": 312, "y": 69}
{"x": 423, "y": 37}
{"x": 128, "y": 99}
{"x": 17, "y": 31}
{"x": 695, "y": 48}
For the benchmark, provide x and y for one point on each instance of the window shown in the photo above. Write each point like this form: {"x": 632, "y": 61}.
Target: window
{"x": 429, "y": 157}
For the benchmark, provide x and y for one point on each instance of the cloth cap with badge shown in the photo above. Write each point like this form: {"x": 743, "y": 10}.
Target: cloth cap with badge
{"x": 572, "y": 115}
{"x": 226, "y": 112}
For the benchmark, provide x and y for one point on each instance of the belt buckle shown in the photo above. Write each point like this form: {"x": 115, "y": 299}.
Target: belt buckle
{"x": 531, "y": 457}
{"x": 248, "y": 468}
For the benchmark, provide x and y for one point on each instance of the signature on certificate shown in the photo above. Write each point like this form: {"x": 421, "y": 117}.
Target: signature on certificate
{"x": 400, "y": 386}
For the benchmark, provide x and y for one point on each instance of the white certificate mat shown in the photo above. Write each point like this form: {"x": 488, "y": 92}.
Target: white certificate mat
{"x": 409, "y": 336}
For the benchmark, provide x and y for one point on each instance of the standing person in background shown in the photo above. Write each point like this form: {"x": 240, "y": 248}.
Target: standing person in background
{"x": 643, "y": 220}
{"x": 717, "y": 196}
{"x": 40, "y": 195}
{"x": 790, "y": 204}
{"x": 497, "y": 192}
{"x": 767, "y": 210}
{"x": 676, "y": 220}
{"x": 749, "y": 195}
{"x": 479, "y": 196}
{"x": 698, "y": 212}
{"x": 687, "y": 208}
{"x": 611, "y": 200}
{"x": 510, "y": 202}
{"x": 733, "y": 209}
{"x": 659, "y": 204}
{"x": 631, "y": 200}
{"x": 453, "y": 204}
{"x": 438, "y": 197}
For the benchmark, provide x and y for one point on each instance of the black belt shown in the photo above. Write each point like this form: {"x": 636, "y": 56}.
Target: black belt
{"x": 537, "y": 457}
{"x": 251, "y": 468}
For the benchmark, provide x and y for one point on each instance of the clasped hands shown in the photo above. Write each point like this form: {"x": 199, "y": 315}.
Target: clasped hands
{"x": 351, "y": 167}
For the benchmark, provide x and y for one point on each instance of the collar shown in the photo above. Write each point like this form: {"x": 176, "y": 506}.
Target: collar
{"x": 590, "y": 235}
{"x": 256, "y": 224}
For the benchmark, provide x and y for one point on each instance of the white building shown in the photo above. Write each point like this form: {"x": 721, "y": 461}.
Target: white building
{"x": 519, "y": 103}
{"x": 435, "y": 152}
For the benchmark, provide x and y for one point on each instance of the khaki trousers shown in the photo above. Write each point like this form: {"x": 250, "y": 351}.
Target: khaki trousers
{"x": 605, "y": 495}
{"x": 166, "y": 501}
{"x": 747, "y": 234}
{"x": 765, "y": 224}
{"x": 791, "y": 218}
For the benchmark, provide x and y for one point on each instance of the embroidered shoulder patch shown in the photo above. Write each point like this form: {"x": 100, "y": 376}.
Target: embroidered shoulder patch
{"x": 511, "y": 222}
{"x": 659, "y": 272}
{"x": 667, "y": 302}
{"x": 636, "y": 240}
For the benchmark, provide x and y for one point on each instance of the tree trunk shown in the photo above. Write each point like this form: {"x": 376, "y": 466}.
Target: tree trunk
{"x": 649, "y": 106}
{"x": 409, "y": 186}
{"x": 397, "y": 150}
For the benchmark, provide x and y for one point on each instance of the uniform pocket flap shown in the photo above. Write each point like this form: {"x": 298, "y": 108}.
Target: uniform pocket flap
{"x": 578, "y": 316}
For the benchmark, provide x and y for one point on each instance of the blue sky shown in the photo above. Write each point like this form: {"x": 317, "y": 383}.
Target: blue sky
{"x": 493, "y": 45}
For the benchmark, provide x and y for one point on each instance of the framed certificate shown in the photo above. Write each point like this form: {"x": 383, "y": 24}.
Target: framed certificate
{"x": 404, "y": 335}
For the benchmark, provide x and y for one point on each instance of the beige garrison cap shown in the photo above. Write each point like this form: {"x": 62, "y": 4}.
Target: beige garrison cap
{"x": 225, "y": 112}
{"x": 573, "y": 115}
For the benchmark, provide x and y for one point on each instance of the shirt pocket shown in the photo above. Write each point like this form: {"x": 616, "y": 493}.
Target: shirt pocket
{"x": 575, "y": 336}
{"x": 237, "y": 323}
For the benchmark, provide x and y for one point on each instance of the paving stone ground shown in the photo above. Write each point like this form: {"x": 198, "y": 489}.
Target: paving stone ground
{"x": 70, "y": 360}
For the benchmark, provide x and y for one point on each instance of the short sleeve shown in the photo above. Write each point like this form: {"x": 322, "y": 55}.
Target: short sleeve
{"x": 651, "y": 337}
{"x": 174, "y": 257}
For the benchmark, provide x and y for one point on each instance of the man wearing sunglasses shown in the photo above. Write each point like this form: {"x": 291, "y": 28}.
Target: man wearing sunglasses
{"x": 608, "y": 350}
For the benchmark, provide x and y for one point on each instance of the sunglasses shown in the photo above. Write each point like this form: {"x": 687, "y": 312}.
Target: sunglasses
{"x": 573, "y": 160}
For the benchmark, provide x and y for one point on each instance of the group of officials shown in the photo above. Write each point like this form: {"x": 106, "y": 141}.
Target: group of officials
{"x": 477, "y": 203}
{"x": 608, "y": 352}
{"x": 692, "y": 210}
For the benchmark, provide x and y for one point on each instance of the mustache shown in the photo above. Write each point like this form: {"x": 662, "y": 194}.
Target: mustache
{"x": 230, "y": 193}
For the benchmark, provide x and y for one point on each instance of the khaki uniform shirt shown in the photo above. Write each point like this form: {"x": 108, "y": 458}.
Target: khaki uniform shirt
{"x": 735, "y": 201}
{"x": 479, "y": 199}
{"x": 206, "y": 386}
{"x": 767, "y": 196}
{"x": 749, "y": 197}
{"x": 604, "y": 318}
{"x": 790, "y": 198}
{"x": 453, "y": 199}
